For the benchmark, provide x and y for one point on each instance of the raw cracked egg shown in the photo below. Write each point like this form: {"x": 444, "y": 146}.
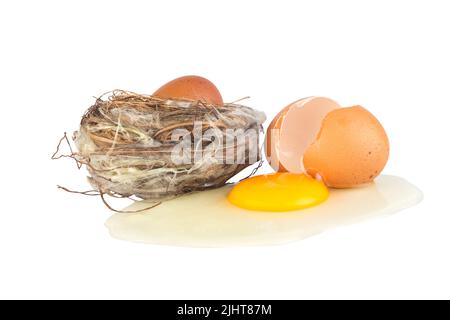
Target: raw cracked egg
{"x": 312, "y": 143}
{"x": 346, "y": 147}
{"x": 193, "y": 88}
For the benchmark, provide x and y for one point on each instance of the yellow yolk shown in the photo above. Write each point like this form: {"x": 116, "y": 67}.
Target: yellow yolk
{"x": 278, "y": 192}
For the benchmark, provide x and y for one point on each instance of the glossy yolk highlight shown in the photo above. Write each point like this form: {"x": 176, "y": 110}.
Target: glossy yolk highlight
{"x": 280, "y": 191}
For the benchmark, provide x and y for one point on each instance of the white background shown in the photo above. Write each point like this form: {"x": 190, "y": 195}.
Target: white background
{"x": 390, "y": 56}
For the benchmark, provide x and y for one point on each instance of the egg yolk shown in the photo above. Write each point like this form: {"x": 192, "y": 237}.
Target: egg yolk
{"x": 280, "y": 191}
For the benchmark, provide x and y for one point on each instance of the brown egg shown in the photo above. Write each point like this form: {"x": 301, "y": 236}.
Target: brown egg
{"x": 346, "y": 147}
{"x": 190, "y": 88}
{"x": 352, "y": 148}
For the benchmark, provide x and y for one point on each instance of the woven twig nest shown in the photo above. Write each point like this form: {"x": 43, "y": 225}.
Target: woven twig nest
{"x": 144, "y": 146}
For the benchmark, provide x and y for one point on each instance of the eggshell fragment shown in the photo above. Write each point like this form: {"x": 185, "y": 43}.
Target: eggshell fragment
{"x": 293, "y": 130}
{"x": 191, "y": 88}
{"x": 351, "y": 149}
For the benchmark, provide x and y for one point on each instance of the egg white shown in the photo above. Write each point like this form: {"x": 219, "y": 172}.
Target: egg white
{"x": 207, "y": 219}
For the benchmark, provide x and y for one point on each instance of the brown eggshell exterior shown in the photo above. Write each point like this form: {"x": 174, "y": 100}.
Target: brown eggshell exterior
{"x": 191, "y": 88}
{"x": 351, "y": 149}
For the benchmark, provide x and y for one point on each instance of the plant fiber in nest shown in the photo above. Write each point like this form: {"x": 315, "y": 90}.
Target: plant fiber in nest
{"x": 126, "y": 142}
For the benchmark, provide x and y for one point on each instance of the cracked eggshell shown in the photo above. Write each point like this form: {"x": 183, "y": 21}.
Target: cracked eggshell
{"x": 351, "y": 149}
{"x": 346, "y": 147}
{"x": 293, "y": 130}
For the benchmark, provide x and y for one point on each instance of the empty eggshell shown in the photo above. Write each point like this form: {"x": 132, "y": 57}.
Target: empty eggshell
{"x": 351, "y": 149}
{"x": 293, "y": 130}
{"x": 345, "y": 147}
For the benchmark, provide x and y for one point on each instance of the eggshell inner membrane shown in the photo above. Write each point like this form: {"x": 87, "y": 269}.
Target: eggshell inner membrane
{"x": 293, "y": 130}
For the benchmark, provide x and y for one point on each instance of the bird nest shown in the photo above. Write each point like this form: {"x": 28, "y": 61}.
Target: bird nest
{"x": 158, "y": 149}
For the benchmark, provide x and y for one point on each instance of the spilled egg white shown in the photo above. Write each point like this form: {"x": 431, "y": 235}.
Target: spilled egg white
{"x": 207, "y": 219}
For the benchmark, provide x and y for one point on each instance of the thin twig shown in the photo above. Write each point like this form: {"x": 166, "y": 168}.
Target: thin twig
{"x": 95, "y": 193}
{"x": 126, "y": 211}
{"x": 239, "y": 100}
{"x": 261, "y": 162}
{"x": 86, "y": 193}
{"x": 71, "y": 155}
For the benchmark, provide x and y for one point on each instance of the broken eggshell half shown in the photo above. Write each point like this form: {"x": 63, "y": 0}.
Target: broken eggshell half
{"x": 346, "y": 147}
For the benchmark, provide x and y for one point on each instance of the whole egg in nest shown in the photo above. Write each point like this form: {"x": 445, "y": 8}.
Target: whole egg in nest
{"x": 346, "y": 147}
{"x": 193, "y": 88}
{"x": 167, "y": 144}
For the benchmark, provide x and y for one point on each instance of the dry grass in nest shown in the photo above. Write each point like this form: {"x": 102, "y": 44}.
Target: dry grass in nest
{"x": 125, "y": 141}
